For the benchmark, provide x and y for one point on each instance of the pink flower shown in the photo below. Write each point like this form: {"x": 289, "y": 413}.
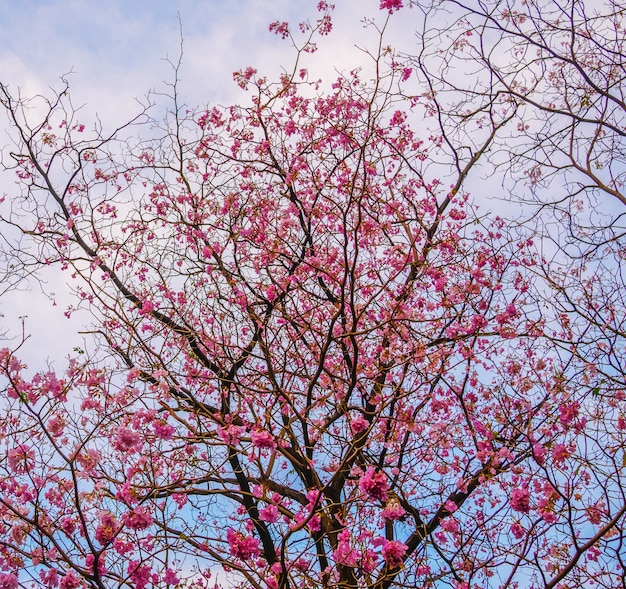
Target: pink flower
{"x": 520, "y": 500}
{"x": 393, "y": 552}
{"x": 568, "y": 413}
{"x": 243, "y": 547}
{"x": 20, "y": 458}
{"x": 140, "y": 574}
{"x": 146, "y": 307}
{"x": 88, "y": 459}
{"x": 374, "y": 484}
{"x": 53, "y": 386}
{"x": 344, "y": 554}
{"x": 315, "y": 523}
{"x": 8, "y": 581}
{"x": 126, "y": 440}
{"x": 180, "y": 499}
{"x": 107, "y": 529}
{"x": 358, "y": 424}
{"x": 559, "y": 453}
{"x": 49, "y": 578}
{"x": 121, "y": 547}
{"x": 69, "y": 581}
{"x": 68, "y": 525}
{"x": 518, "y": 531}
{"x": 449, "y": 524}
{"x": 262, "y": 439}
{"x": 369, "y": 561}
{"x": 56, "y": 425}
{"x": 171, "y": 578}
{"x": 90, "y": 560}
{"x": 269, "y": 514}
{"x": 163, "y": 430}
{"x": 138, "y": 519}
{"x": 280, "y": 28}
{"x": 391, "y": 5}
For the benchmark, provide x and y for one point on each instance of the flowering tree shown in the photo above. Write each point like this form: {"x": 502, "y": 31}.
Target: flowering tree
{"x": 327, "y": 369}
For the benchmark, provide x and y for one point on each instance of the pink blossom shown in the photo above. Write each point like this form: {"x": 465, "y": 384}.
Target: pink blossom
{"x": 449, "y": 524}
{"x": 89, "y": 564}
{"x": 243, "y": 547}
{"x": 262, "y": 439}
{"x": 180, "y": 499}
{"x": 559, "y": 453}
{"x": 344, "y": 553}
{"x": 53, "y": 386}
{"x": 229, "y": 434}
{"x": 568, "y": 413}
{"x": 138, "y": 519}
{"x": 69, "y": 581}
{"x": 369, "y": 561}
{"x": 358, "y": 424}
{"x": 133, "y": 374}
{"x": 518, "y": 531}
{"x": 280, "y": 28}
{"x": 56, "y": 424}
{"x": 374, "y": 484}
{"x": 49, "y": 578}
{"x": 147, "y": 307}
{"x": 520, "y": 500}
{"x": 121, "y": 547}
{"x": 8, "y": 581}
{"x": 68, "y": 525}
{"x": 451, "y": 506}
{"x": 593, "y": 554}
{"x": 171, "y": 578}
{"x": 20, "y": 458}
{"x": 126, "y": 440}
{"x": 393, "y": 552}
{"x": 595, "y": 513}
{"x": 269, "y": 514}
{"x": 423, "y": 570}
{"x": 107, "y": 529}
{"x": 163, "y": 430}
{"x": 140, "y": 574}
{"x": 315, "y": 523}
{"x": 391, "y": 5}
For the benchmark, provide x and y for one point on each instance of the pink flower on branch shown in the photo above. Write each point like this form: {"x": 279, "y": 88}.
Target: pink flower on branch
{"x": 242, "y": 546}
{"x": 21, "y": 458}
{"x": 391, "y": 5}
{"x": 126, "y": 440}
{"x": 392, "y": 551}
{"x": 262, "y": 439}
{"x": 520, "y": 500}
{"x": 374, "y": 484}
{"x": 107, "y": 528}
{"x": 8, "y": 581}
{"x": 344, "y": 554}
{"x": 138, "y": 519}
{"x": 269, "y": 514}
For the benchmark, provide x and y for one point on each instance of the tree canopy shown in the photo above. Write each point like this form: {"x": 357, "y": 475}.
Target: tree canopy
{"x": 319, "y": 359}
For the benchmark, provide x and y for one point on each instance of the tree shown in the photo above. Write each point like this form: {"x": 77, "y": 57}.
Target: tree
{"x": 327, "y": 368}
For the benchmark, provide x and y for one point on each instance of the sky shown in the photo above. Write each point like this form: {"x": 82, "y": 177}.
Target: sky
{"x": 113, "y": 53}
